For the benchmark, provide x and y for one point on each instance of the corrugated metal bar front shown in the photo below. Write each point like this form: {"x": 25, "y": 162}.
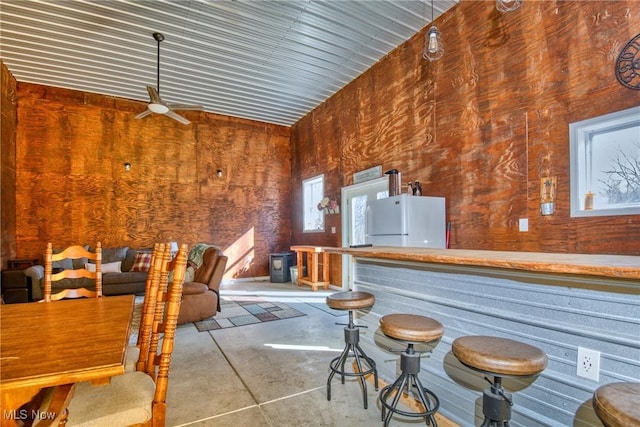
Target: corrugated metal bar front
{"x": 557, "y": 314}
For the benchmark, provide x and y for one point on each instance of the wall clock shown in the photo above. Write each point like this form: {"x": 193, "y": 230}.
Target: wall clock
{"x": 628, "y": 64}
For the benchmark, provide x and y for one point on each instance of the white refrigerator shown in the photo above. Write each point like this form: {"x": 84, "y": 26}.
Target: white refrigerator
{"x": 404, "y": 220}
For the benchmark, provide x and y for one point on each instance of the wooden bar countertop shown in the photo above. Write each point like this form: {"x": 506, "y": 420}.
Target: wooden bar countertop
{"x": 616, "y": 266}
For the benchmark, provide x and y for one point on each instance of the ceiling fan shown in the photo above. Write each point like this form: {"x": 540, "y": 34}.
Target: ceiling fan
{"x": 157, "y": 105}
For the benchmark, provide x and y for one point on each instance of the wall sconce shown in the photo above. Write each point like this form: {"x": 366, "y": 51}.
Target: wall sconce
{"x": 219, "y": 173}
{"x": 127, "y": 167}
{"x": 507, "y": 5}
{"x": 433, "y": 47}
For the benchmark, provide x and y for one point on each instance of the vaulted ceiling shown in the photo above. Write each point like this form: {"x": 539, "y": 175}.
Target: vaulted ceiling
{"x": 271, "y": 61}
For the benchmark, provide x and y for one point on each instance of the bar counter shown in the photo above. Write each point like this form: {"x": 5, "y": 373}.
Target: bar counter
{"x": 556, "y": 302}
{"x": 618, "y": 266}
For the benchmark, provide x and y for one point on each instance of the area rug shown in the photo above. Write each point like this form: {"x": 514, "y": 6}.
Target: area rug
{"x": 247, "y": 311}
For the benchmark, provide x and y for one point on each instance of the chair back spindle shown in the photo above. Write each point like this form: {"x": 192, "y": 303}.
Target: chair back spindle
{"x": 172, "y": 299}
{"x": 149, "y": 304}
{"x": 166, "y": 267}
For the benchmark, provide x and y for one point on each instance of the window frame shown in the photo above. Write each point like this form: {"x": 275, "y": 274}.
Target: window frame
{"x": 309, "y": 206}
{"x": 579, "y": 135}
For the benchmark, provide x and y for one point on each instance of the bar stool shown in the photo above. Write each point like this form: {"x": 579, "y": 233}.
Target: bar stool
{"x": 498, "y": 357}
{"x": 618, "y": 404}
{"x": 352, "y": 300}
{"x": 412, "y": 329}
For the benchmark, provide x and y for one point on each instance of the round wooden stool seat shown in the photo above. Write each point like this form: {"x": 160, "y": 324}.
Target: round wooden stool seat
{"x": 363, "y": 365}
{"x": 411, "y": 327}
{"x": 351, "y": 300}
{"x": 499, "y": 356}
{"x": 618, "y": 404}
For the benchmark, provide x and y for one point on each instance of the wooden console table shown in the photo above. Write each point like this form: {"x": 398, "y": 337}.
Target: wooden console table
{"x": 312, "y": 278}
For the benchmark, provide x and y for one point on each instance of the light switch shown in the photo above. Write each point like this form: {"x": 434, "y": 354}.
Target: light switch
{"x": 524, "y": 224}
{"x": 333, "y": 230}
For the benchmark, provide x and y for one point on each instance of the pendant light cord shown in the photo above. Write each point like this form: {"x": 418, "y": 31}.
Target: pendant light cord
{"x": 431, "y": 12}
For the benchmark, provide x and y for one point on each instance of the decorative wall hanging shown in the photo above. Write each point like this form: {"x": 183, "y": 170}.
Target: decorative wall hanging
{"x": 329, "y": 206}
{"x": 628, "y": 64}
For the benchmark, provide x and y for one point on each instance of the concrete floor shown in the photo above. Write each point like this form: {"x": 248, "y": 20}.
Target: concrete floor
{"x": 238, "y": 377}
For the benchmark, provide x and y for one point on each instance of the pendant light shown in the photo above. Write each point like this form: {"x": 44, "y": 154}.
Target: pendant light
{"x": 507, "y": 5}
{"x": 433, "y": 47}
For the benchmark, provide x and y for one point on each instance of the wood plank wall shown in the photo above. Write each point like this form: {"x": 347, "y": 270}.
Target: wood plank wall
{"x": 479, "y": 127}
{"x": 8, "y": 101}
{"x": 483, "y": 124}
{"x": 71, "y": 185}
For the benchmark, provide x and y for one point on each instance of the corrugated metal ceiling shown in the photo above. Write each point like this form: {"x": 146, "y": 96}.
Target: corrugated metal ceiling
{"x": 271, "y": 61}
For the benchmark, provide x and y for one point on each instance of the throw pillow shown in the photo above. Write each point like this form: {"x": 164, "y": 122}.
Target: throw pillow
{"x": 109, "y": 267}
{"x": 142, "y": 262}
{"x": 127, "y": 264}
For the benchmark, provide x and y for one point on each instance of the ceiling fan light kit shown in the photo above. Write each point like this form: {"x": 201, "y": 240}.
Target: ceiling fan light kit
{"x": 156, "y": 104}
{"x": 158, "y": 108}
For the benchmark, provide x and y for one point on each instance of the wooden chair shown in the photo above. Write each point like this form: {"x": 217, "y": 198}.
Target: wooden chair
{"x": 137, "y": 398}
{"x": 72, "y": 252}
{"x": 158, "y": 324}
{"x": 55, "y": 399}
{"x": 137, "y": 354}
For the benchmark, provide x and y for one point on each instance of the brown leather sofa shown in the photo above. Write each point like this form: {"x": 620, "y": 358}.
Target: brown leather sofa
{"x": 201, "y": 297}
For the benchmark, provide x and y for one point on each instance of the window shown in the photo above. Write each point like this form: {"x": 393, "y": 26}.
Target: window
{"x": 312, "y": 194}
{"x": 605, "y": 164}
{"x": 359, "y": 215}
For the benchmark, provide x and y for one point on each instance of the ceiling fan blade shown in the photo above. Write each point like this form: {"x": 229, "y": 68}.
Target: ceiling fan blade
{"x": 145, "y": 113}
{"x": 177, "y": 117}
{"x": 185, "y": 107}
{"x": 154, "y": 96}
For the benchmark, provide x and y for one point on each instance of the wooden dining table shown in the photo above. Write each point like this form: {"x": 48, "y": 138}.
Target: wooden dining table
{"x": 63, "y": 342}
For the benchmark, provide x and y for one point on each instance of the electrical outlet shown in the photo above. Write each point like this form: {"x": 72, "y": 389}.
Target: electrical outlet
{"x": 588, "y": 365}
{"x": 523, "y": 224}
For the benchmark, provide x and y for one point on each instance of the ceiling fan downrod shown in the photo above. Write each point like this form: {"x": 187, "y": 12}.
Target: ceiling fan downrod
{"x": 159, "y": 37}
{"x": 156, "y": 104}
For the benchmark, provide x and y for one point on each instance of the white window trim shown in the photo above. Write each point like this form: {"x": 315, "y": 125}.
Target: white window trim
{"x": 578, "y": 135}
{"x": 312, "y": 204}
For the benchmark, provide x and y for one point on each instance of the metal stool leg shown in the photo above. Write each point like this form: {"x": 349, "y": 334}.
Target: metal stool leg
{"x": 371, "y": 363}
{"x": 352, "y": 349}
{"x": 430, "y": 408}
{"x": 398, "y": 385}
{"x": 410, "y": 367}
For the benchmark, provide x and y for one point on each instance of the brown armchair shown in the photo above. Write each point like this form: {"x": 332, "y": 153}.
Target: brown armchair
{"x": 201, "y": 297}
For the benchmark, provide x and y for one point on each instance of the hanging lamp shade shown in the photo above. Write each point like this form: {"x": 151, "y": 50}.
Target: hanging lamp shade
{"x": 433, "y": 47}
{"x": 507, "y": 5}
